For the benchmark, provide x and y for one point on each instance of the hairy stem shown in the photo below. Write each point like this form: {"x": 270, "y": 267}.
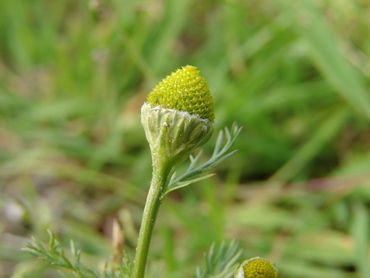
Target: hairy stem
{"x": 153, "y": 201}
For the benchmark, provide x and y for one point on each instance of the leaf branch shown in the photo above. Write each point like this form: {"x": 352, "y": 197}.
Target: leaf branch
{"x": 195, "y": 172}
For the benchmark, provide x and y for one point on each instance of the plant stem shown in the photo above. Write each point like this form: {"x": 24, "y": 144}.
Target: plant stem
{"x": 153, "y": 201}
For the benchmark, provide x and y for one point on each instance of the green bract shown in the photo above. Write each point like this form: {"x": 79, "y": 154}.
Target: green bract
{"x": 173, "y": 134}
{"x": 184, "y": 90}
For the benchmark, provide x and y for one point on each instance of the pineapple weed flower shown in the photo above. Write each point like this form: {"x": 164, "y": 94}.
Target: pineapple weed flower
{"x": 257, "y": 268}
{"x": 177, "y": 118}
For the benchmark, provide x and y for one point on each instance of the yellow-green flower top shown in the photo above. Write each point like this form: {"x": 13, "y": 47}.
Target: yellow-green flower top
{"x": 184, "y": 90}
{"x": 259, "y": 268}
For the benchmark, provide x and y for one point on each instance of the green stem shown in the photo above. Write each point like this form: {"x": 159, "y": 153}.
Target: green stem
{"x": 153, "y": 201}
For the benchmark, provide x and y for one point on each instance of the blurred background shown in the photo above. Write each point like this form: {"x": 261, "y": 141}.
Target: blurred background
{"x": 73, "y": 156}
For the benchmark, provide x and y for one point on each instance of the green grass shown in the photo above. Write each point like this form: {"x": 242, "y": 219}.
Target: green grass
{"x": 294, "y": 74}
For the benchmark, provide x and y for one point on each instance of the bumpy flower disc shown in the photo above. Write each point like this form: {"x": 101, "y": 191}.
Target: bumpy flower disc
{"x": 259, "y": 268}
{"x": 184, "y": 90}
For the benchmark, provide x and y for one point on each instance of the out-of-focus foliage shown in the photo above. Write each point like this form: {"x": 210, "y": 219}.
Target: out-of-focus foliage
{"x": 294, "y": 74}
{"x": 221, "y": 261}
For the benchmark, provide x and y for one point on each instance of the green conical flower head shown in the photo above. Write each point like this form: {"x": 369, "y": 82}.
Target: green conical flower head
{"x": 184, "y": 90}
{"x": 259, "y": 268}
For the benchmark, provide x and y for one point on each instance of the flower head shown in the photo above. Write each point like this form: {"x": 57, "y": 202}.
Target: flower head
{"x": 257, "y": 268}
{"x": 184, "y": 90}
{"x": 178, "y": 115}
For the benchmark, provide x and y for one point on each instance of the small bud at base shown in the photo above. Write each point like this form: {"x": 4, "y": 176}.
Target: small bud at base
{"x": 256, "y": 268}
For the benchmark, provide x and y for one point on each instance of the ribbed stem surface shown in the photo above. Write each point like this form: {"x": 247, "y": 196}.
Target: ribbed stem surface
{"x": 153, "y": 201}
